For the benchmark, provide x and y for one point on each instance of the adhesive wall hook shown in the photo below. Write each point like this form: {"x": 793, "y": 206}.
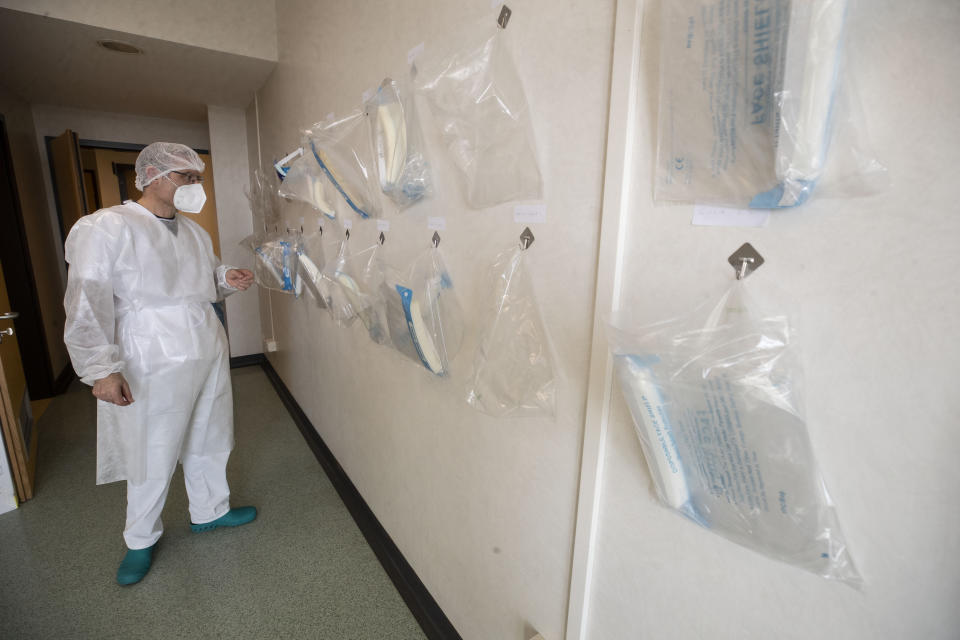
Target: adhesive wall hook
{"x": 745, "y": 260}
{"x": 504, "y": 17}
{"x": 436, "y": 239}
{"x": 526, "y": 238}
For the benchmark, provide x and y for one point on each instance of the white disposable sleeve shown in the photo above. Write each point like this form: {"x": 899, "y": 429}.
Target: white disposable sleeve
{"x": 223, "y": 287}
{"x": 90, "y": 318}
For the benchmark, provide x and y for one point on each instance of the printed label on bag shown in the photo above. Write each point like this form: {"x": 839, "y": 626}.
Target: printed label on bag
{"x": 438, "y": 223}
{"x": 530, "y": 213}
{"x": 348, "y": 224}
{"x": 383, "y": 225}
{"x": 710, "y": 216}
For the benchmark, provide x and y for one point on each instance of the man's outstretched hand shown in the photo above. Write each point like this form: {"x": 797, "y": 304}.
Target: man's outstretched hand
{"x": 239, "y": 278}
{"x": 113, "y": 389}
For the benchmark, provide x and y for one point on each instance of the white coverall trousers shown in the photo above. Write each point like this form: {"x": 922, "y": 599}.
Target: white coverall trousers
{"x": 195, "y": 395}
{"x": 206, "y": 480}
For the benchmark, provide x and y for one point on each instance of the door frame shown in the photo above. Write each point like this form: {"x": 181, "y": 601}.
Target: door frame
{"x": 21, "y": 285}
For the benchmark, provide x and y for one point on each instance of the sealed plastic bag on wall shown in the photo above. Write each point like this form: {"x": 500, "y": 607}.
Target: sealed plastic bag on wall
{"x": 360, "y": 277}
{"x": 342, "y": 308}
{"x": 397, "y": 144}
{"x": 513, "y": 373}
{"x": 342, "y": 149}
{"x": 751, "y": 94}
{"x": 312, "y": 259}
{"x": 715, "y": 401}
{"x": 264, "y": 202}
{"x": 275, "y": 260}
{"x": 306, "y": 182}
{"x": 432, "y": 312}
{"x": 479, "y": 104}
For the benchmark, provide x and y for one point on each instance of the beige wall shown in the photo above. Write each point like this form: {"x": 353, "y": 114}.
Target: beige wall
{"x": 245, "y": 27}
{"x": 231, "y": 172}
{"x": 40, "y": 239}
{"x": 483, "y": 509}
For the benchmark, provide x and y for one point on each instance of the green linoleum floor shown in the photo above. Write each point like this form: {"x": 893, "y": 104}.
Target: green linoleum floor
{"x": 301, "y": 570}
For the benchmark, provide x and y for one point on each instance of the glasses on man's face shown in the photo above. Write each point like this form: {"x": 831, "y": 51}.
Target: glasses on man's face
{"x": 192, "y": 178}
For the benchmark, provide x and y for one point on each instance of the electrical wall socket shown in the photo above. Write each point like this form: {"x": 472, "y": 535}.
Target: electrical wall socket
{"x": 270, "y": 345}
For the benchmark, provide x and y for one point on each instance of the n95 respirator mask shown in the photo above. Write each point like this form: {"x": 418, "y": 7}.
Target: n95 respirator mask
{"x": 189, "y": 198}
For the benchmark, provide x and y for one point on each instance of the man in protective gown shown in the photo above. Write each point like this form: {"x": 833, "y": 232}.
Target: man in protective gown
{"x": 141, "y": 330}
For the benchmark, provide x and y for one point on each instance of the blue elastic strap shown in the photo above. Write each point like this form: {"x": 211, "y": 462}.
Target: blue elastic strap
{"x": 406, "y": 295}
{"x": 336, "y": 184}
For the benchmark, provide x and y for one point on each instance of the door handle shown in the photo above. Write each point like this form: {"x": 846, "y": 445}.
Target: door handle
{"x": 10, "y": 315}
{"x": 5, "y": 332}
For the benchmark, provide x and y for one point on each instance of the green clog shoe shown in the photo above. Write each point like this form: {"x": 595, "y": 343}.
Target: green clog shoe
{"x": 135, "y": 565}
{"x": 232, "y": 518}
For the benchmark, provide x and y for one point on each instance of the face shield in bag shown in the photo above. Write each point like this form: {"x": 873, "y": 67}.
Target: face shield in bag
{"x": 432, "y": 312}
{"x": 311, "y": 257}
{"x": 341, "y": 148}
{"x": 359, "y": 277}
{"x": 305, "y": 182}
{"x": 276, "y": 262}
{"x": 398, "y": 147}
{"x": 762, "y": 143}
{"x": 513, "y": 371}
{"x": 714, "y": 397}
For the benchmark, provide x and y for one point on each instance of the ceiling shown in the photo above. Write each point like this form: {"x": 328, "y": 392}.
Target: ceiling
{"x": 49, "y": 61}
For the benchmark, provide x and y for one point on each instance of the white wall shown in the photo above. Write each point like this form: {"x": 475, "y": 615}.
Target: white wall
{"x": 245, "y": 27}
{"x": 231, "y": 177}
{"x": 875, "y": 283}
{"x": 483, "y": 509}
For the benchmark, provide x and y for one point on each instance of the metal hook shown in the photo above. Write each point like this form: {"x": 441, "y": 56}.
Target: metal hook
{"x": 348, "y": 234}
{"x": 504, "y": 18}
{"x": 526, "y": 238}
{"x": 436, "y": 239}
{"x": 745, "y": 260}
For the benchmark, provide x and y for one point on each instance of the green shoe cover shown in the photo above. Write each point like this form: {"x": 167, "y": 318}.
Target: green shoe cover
{"x": 232, "y": 518}
{"x": 135, "y": 565}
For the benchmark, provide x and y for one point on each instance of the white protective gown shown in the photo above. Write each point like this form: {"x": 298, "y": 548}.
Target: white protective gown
{"x": 138, "y": 301}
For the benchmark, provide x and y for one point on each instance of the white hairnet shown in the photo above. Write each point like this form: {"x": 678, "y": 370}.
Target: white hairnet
{"x": 165, "y": 157}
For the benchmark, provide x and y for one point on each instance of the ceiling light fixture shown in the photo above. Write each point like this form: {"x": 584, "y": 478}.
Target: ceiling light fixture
{"x": 119, "y": 47}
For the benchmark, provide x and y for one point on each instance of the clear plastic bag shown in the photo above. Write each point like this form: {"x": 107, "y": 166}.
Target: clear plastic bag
{"x": 342, "y": 308}
{"x": 312, "y": 259}
{"x": 751, "y": 96}
{"x": 360, "y": 276}
{"x": 480, "y": 107}
{"x": 342, "y": 149}
{"x": 715, "y": 401}
{"x": 305, "y": 182}
{"x": 398, "y": 144}
{"x": 275, "y": 260}
{"x": 432, "y": 313}
{"x": 513, "y": 373}
{"x": 265, "y": 202}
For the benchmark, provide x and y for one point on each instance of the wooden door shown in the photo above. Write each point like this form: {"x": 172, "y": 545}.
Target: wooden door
{"x": 67, "y": 180}
{"x": 16, "y": 413}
